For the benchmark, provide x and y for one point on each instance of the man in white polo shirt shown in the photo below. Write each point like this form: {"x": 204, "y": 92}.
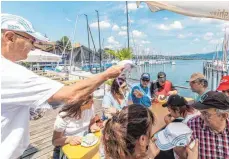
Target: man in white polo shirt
{"x": 22, "y": 89}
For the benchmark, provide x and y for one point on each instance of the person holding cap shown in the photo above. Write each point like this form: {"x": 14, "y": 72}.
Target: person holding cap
{"x": 211, "y": 128}
{"x": 198, "y": 84}
{"x": 180, "y": 111}
{"x": 224, "y": 85}
{"x": 140, "y": 93}
{"x": 162, "y": 86}
{"x": 22, "y": 89}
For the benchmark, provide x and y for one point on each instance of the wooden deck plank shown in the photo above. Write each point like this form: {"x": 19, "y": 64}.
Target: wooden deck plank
{"x": 48, "y": 131}
{"x": 41, "y": 129}
{"x": 35, "y": 141}
{"x": 42, "y": 125}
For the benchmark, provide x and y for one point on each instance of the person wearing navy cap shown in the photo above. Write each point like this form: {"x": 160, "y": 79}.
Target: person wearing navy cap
{"x": 140, "y": 93}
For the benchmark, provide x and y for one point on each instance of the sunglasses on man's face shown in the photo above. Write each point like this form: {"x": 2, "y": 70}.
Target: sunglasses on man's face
{"x": 145, "y": 80}
{"x": 32, "y": 40}
{"x": 193, "y": 82}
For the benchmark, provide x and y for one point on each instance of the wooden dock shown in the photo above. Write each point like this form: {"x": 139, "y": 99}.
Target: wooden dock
{"x": 41, "y": 132}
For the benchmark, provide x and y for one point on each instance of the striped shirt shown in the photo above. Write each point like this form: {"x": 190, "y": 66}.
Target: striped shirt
{"x": 211, "y": 145}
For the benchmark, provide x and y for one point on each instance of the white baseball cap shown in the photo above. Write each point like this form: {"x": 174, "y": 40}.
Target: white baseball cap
{"x": 17, "y": 23}
{"x": 175, "y": 134}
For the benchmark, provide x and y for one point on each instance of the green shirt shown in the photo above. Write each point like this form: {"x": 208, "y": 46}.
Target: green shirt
{"x": 198, "y": 97}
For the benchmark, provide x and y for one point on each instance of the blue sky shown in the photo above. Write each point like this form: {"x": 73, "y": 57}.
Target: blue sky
{"x": 163, "y": 32}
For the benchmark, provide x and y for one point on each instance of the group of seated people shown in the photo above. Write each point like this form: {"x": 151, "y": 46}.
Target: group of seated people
{"x": 141, "y": 93}
{"x": 127, "y": 123}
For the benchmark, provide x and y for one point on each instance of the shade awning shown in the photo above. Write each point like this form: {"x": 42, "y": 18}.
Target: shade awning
{"x": 42, "y": 56}
{"x": 205, "y": 9}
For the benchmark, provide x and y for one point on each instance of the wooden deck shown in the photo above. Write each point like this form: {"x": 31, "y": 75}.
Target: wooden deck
{"x": 41, "y": 131}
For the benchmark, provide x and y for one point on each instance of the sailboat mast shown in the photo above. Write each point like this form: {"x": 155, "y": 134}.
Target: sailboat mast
{"x": 100, "y": 51}
{"x": 127, "y": 22}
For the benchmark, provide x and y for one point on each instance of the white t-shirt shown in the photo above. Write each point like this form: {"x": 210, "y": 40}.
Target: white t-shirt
{"x": 21, "y": 90}
{"x": 72, "y": 126}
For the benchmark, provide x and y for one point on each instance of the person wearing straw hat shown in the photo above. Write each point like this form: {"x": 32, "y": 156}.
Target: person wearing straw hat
{"x": 224, "y": 85}
{"x": 22, "y": 89}
{"x": 198, "y": 84}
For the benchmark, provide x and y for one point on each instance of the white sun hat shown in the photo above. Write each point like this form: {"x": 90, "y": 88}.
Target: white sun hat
{"x": 174, "y": 135}
{"x": 17, "y": 23}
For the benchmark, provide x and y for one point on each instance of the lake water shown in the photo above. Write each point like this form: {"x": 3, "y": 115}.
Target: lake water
{"x": 178, "y": 74}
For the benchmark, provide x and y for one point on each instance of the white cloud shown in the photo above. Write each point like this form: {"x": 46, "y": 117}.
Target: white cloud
{"x": 208, "y": 48}
{"x": 208, "y": 36}
{"x": 147, "y": 49}
{"x": 112, "y": 43}
{"x": 145, "y": 42}
{"x": 174, "y": 25}
{"x": 133, "y": 6}
{"x": 165, "y": 18}
{"x": 122, "y": 33}
{"x": 196, "y": 40}
{"x": 68, "y": 19}
{"x": 224, "y": 25}
{"x": 204, "y": 49}
{"x": 123, "y": 27}
{"x": 190, "y": 34}
{"x": 131, "y": 21}
{"x": 111, "y": 40}
{"x": 138, "y": 34}
{"x": 115, "y": 27}
{"x": 109, "y": 46}
{"x": 103, "y": 25}
{"x": 216, "y": 41}
{"x": 163, "y": 27}
{"x": 219, "y": 34}
{"x": 181, "y": 36}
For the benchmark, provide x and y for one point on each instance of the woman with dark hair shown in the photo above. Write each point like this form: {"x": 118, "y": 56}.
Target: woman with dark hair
{"x": 116, "y": 98}
{"x": 180, "y": 109}
{"x": 74, "y": 122}
{"x": 128, "y": 135}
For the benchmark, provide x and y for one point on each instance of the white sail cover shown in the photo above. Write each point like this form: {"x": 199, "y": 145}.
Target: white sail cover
{"x": 206, "y": 9}
{"x": 42, "y": 56}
